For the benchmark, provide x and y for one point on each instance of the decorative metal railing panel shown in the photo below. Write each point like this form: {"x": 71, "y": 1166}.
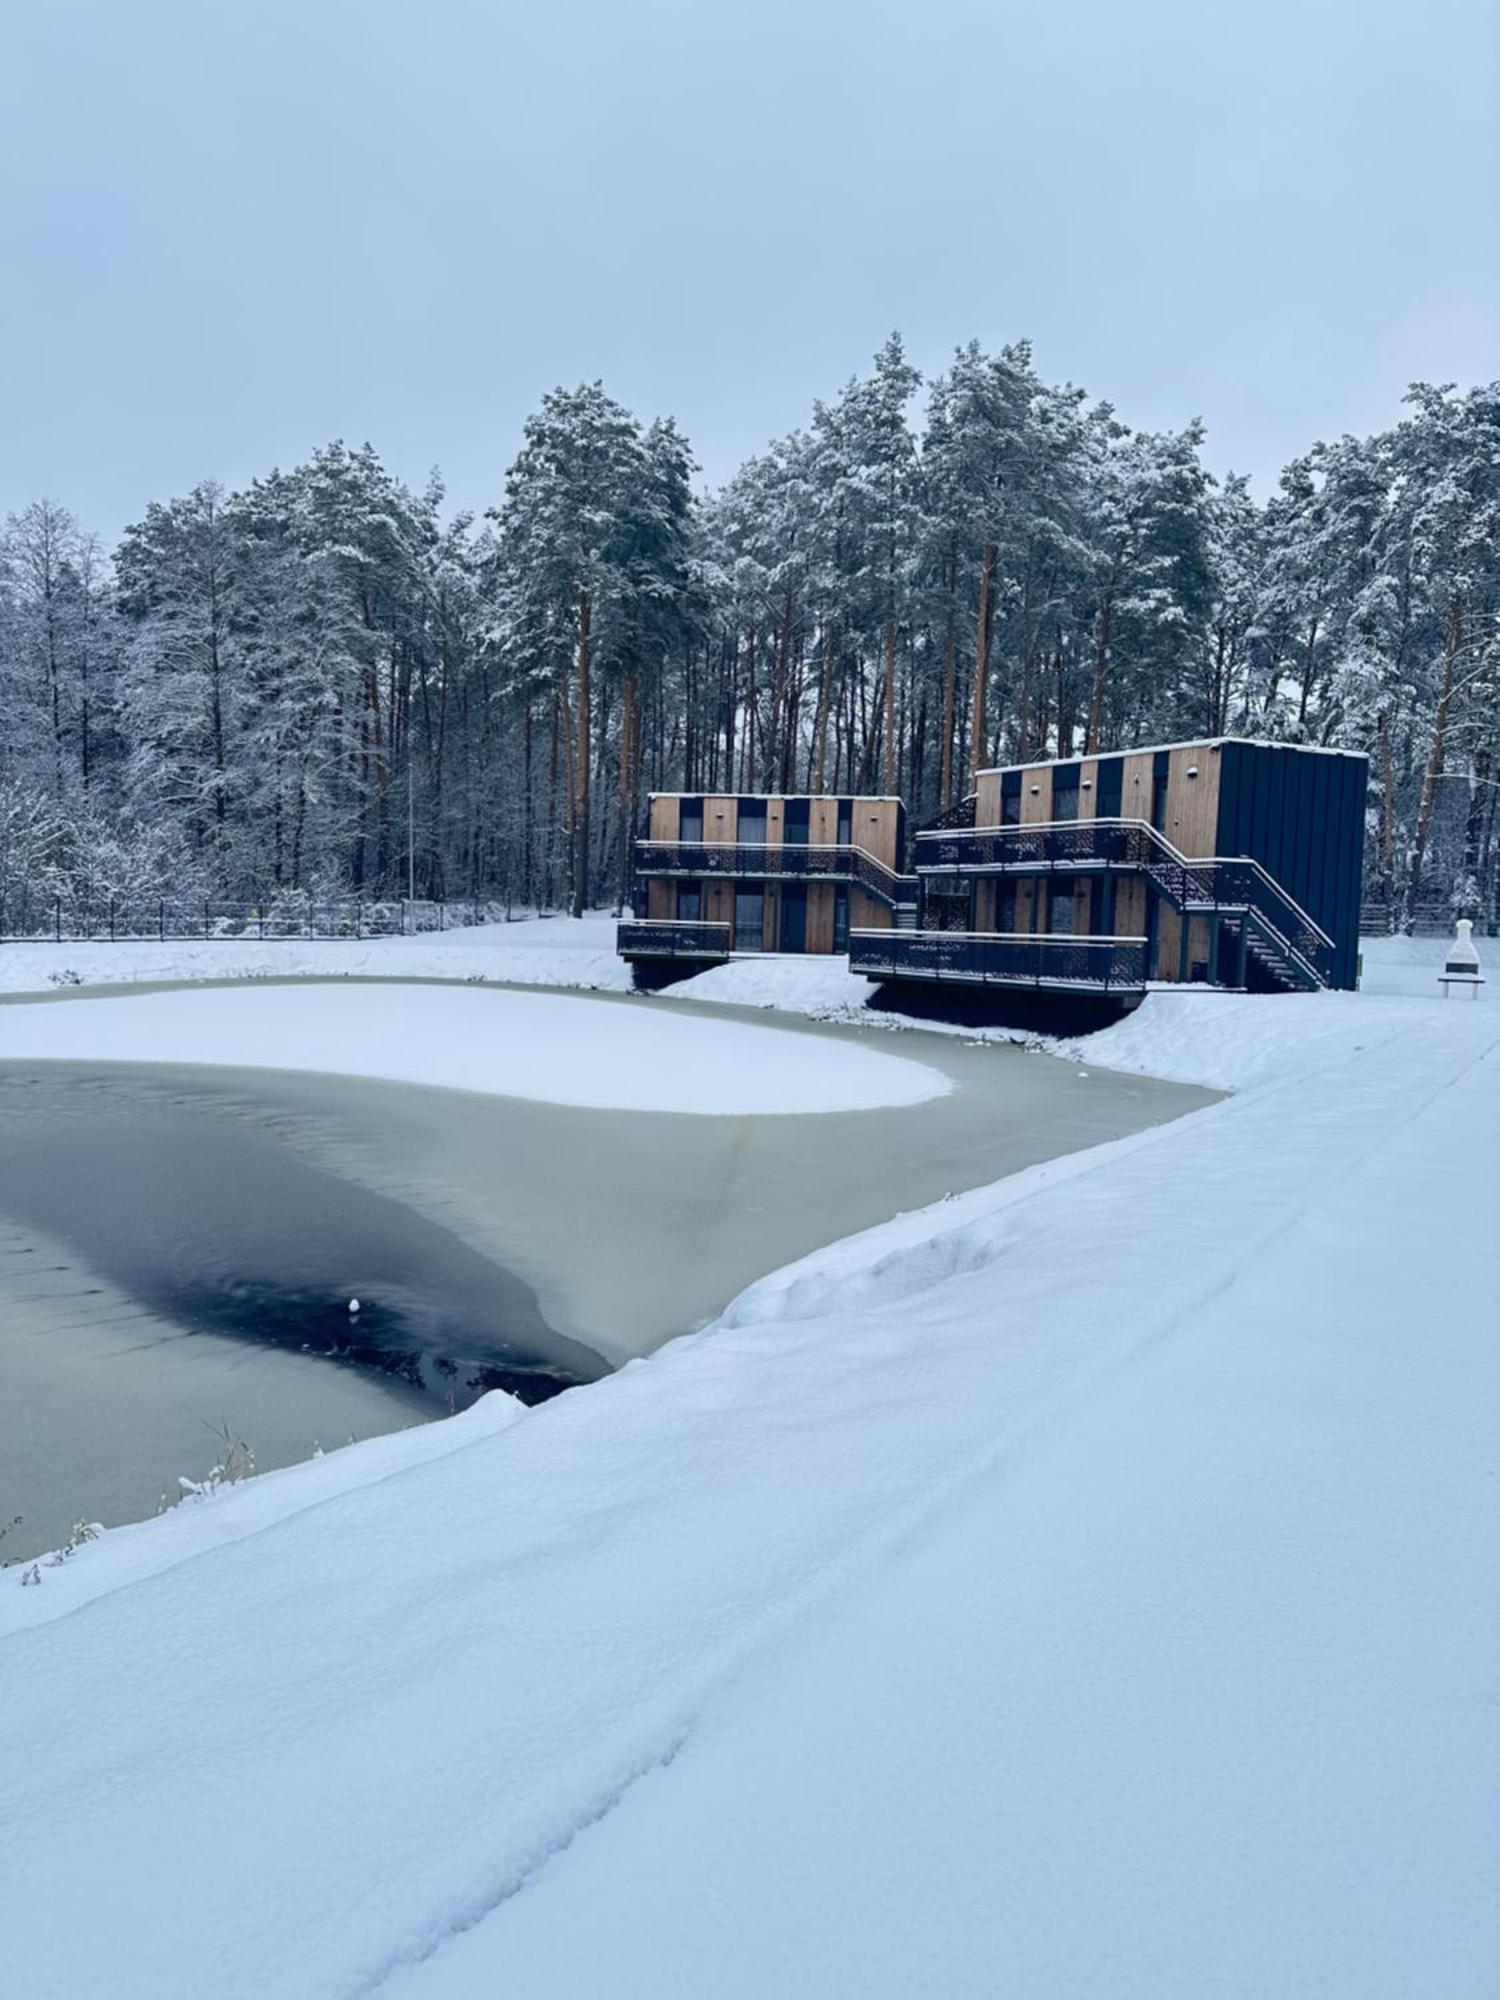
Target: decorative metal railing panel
{"x": 1217, "y": 885}
{"x": 1100, "y": 965}
{"x": 957, "y": 816}
{"x": 773, "y": 861}
{"x": 648, "y": 937}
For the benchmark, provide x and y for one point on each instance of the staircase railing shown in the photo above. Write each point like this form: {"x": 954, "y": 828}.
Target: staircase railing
{"x": 797, "y": 861}
{"x": 959, "y": 814}
{"x": 1214, "y": 885}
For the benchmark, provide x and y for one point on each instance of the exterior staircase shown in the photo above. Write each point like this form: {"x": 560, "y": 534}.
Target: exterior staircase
{"x": 1271, "y": 939}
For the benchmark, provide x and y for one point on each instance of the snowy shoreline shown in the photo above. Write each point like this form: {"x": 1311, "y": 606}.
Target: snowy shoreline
{"x": 1220, "y": 1041}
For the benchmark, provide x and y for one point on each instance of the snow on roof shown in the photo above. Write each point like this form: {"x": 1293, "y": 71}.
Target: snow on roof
{"x": 869, "y": 798}
{"x": 1187, "y": 743}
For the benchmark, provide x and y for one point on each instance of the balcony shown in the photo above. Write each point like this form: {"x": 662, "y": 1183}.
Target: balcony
{"x": 668, "y": 939}
{"x": 1214, "y": 886}
{"x": 772, "y": 862}
{"x": 1114, "y": 965}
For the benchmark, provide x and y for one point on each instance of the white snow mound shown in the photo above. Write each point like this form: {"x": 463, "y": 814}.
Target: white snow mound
{"x": 534, "y": 1045}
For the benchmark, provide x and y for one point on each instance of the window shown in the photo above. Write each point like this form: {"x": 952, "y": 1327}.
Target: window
{"x": 1062, "y": 915}
{"x": 753, "y": 821}
{"x": 1065, "y": 793}
{"x": 689, "y": 902}
{"x": 794, "y": 823}
{"x": 1010, "y": 802}
{"x": 1111, "y": 783}
{"x": 846, "y": 822}
{"x": 690, "y": 820}
{"x": 1005, "y": 908}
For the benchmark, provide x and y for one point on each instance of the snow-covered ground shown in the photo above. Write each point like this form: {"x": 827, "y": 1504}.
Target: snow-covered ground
{"x": 1081, "y": 1588}
{"x": 1187, "y": 1035}
{"x": 535, "y": 951}
{"x": 538, "y": 1045}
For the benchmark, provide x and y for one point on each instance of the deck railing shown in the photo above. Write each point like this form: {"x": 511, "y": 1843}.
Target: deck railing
{"x": 1091, "y": 964}
{"x": 767, "y": 860}
{"x": 654, "y": 937}
{"x": 1216, "y": 885}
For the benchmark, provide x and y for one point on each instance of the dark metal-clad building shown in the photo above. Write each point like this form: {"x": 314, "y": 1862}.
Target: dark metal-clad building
{"x": 1229, "y": 862}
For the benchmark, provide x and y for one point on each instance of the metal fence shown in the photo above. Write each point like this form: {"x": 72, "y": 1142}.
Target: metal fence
{"x": 80, "y": 919}
{"x": 1431, "y": 918}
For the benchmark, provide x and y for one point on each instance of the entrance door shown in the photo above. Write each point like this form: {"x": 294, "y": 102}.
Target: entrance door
{"x": 749, "y": 919}
{"x": 793, "y": 918}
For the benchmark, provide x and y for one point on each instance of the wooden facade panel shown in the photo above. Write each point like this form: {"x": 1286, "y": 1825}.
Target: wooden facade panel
{"x": 1193, "y": 802}
{"x": 720, "y": 820}
{"x": 1130, "y": 906}
{"x": 820, "y": 916}
{"x": 823, "y": 823}
{"x": 661, "y": 900}
{"x": 987, "y": 800}
{"x": 1168, "y": 943}
{"x": 877, "y": 827}
{"x": 1036, "y": 795}
{"x": 866, "y": 912}
{"x": 663, "y": 816}
{"x": 1169, "y": 946}
{"x": 1088, "y": 788}
{"x": 775, "y": 821}
{"x": 719, "y": 903}
{"x": 1135, "y": 787}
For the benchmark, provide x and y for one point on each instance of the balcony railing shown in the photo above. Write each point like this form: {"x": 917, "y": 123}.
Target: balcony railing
{"x": 648, "y": 937}
{"x": 771, "y": 861}
{"x": 1087, "y": 964}
{"x": 1216, "y": 885}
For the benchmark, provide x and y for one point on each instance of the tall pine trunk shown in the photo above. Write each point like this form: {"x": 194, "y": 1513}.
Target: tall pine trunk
{"x": 630, "y": 729}
{"x": 979, "y": 729}
{"x": 890, "y": 761}
{"x": 581, "y": 739}
{"x": 950, "y": 709}
{"x": 1452, "y": 644}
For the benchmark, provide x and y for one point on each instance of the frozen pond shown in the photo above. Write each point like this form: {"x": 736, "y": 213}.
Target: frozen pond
{"x": 178, "y": 1245}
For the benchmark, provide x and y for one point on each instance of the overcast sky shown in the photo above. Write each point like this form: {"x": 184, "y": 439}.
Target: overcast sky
{"x": 228, "y": 234}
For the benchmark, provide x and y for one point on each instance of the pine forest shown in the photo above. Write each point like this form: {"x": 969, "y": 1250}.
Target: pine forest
{"x": 326, "y": 684}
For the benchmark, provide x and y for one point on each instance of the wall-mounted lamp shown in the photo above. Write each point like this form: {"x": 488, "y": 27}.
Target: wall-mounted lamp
{"x": 1192, "y": 770}
{"x": 1036, "y": 791}
{"x": 1087, "y": 784}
